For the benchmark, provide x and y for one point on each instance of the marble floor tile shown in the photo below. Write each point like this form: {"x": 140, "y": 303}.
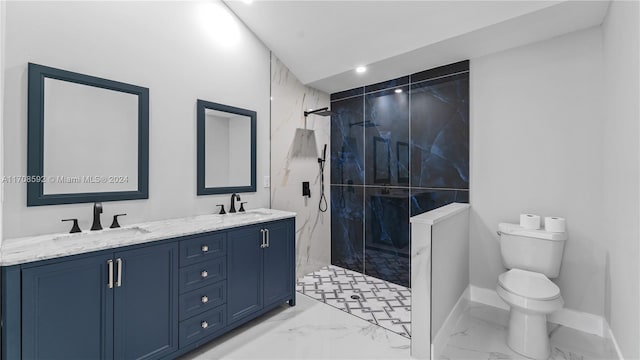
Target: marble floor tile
{"x": 481, "y": 333}
{"x": 371, "y": 299}
{"x": 309, "y": 330}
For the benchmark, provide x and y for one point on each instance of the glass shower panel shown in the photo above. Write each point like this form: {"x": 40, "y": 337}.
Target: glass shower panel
{"x": 386, "y": 134}
{"x": 440, "y": 133}
{"x": 347, "y": 136}
{"x": 387, "y": 241}
{"x": 347, "y": 220}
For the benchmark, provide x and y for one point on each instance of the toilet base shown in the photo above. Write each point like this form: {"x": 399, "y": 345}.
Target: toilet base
{"x": 528, "y": 334}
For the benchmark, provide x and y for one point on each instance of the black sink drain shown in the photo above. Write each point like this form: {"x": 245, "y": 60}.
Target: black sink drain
{"x": 355, "y": 297}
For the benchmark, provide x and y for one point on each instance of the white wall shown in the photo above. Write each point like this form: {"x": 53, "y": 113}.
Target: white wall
{"x": 536, "y": 147}
{"x": 181, "y": 51}
{"x": 289, "y": 169}
{"x": 621, "y": 173}
{"x": 2, "y": 56}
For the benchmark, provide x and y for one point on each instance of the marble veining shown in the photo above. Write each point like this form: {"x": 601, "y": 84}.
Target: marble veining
{"x": 43, "y": 247}
{"x": 481, "y": 333}
{"x": 296, "y": 145}
{"x": 310, "y": 330}
{"x": 440, "y": 214}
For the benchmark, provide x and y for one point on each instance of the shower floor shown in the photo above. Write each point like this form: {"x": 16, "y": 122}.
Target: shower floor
{"x": 377, "y": 301}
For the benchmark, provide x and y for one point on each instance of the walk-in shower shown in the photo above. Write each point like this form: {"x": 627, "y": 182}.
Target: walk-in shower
{"x": 398, "y": 148}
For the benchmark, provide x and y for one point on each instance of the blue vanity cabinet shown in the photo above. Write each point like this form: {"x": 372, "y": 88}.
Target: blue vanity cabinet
{"x": 67, "y": 310}
{"x": 151, "y": 301}
{"x": 121, "y": 305}
{"x": 203, "y": 288}
{"x": 244, "y": 272}
{"x": 146, "y": 302}
{"x": 261, "y": 266}
{"x": 279, "y": 263}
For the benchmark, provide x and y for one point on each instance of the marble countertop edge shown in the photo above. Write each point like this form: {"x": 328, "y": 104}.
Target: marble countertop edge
{"x": 24, "y": 250}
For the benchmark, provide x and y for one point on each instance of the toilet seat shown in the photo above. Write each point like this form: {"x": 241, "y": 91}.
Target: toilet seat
{"x": 529, "y": 284}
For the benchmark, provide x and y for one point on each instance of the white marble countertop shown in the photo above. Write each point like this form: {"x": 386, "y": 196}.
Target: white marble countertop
{"x": 42, "y": 247}
{"x": 437, "y": 215}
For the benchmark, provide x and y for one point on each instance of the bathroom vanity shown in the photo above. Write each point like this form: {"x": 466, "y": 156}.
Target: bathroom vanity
{"x": 151, "y": 291}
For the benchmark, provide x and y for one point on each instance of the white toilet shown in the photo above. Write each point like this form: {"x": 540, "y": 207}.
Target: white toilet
{"x": 533, "y": 256}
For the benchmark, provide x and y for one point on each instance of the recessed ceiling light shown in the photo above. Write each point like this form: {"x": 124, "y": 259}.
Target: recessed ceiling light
{"x": 248, "y": 2}
{"x": 398, "y": 91}
{"x": 361, "y": 69}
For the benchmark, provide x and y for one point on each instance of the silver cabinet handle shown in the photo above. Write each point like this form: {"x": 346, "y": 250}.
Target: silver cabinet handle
{"x": 263, "y": 244}
{"x": 268, "y": 237}
{"x": 204, "y": 324}
{"x": 119, "y": 280}
{"x": 204, "y": 274}
{"x": 205, "y": 248}
{"x": 204, "y": 299}
{"x": 110, "y": 282}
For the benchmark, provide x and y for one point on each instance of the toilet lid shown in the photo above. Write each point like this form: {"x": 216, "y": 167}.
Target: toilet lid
{"x": 529, "y": 284}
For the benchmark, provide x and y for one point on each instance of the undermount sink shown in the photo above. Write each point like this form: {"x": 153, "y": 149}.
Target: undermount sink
{"x": 104, "y": 234}
{"x": 250, "y": 214}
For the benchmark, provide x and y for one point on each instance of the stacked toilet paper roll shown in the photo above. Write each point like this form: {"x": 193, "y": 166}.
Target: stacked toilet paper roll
{"x": 555, "y": 224}
{"x": 530, "y": 221}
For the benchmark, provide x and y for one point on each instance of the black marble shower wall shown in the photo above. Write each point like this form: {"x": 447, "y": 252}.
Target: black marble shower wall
{"x": 398, "y": 148}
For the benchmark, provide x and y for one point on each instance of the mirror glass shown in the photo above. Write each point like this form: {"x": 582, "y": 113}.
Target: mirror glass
{"x": 226, "y": 149}
{"x": 89, "y": 131}
{"x": 87, "y": 138}
{"x": 228, "y": 161}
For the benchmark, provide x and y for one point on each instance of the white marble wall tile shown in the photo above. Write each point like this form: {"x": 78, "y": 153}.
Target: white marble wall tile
{"x": 421, "y": 290}
{"x": 293, "y": 162}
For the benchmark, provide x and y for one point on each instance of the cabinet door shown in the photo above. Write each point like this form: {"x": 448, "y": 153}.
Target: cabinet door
{"x": 244, "y": 272}
{"x": 67, "y": 310}
{"x": 279, "y": 263}
{"x": 146, "y": 302}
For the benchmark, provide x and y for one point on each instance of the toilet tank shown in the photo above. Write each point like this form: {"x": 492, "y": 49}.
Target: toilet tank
{"x": 533, "y": 250}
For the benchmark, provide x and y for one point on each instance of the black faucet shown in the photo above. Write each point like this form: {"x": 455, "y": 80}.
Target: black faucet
{"x": 234, "y": 197}
{"x": 97, "y": 210}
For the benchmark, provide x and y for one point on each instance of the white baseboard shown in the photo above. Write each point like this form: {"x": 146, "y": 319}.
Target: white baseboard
{"x": 613, "y": 339}
{"x": 442, "y": 336}
{"x": 487, "y": 296}
{"x": 589, "y": 323}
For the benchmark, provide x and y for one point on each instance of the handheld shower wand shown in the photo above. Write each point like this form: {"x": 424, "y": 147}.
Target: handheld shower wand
{"x": 322, "y": 205}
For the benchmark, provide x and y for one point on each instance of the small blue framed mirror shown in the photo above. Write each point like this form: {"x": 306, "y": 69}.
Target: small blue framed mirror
{"x": 226, "y": 149}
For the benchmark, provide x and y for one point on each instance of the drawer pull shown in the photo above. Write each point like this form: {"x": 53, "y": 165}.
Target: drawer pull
{"x": 204, "y": 274}
{"x": 204, "y": 299}
{"x": 205, "y": 248}
{"x": 204, "y": 324}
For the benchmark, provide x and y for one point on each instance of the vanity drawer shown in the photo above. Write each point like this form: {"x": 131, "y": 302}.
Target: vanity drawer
{"x": 202, "y": 325}
{"x": 202, "y": 248}
{"x": 202, "y": 274}
{"x": 203, "y": 299}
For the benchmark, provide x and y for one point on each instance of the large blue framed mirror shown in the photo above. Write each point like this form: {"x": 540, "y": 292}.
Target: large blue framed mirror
{"x": 226, "y": 149}
{"x": 88, "y": 138}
